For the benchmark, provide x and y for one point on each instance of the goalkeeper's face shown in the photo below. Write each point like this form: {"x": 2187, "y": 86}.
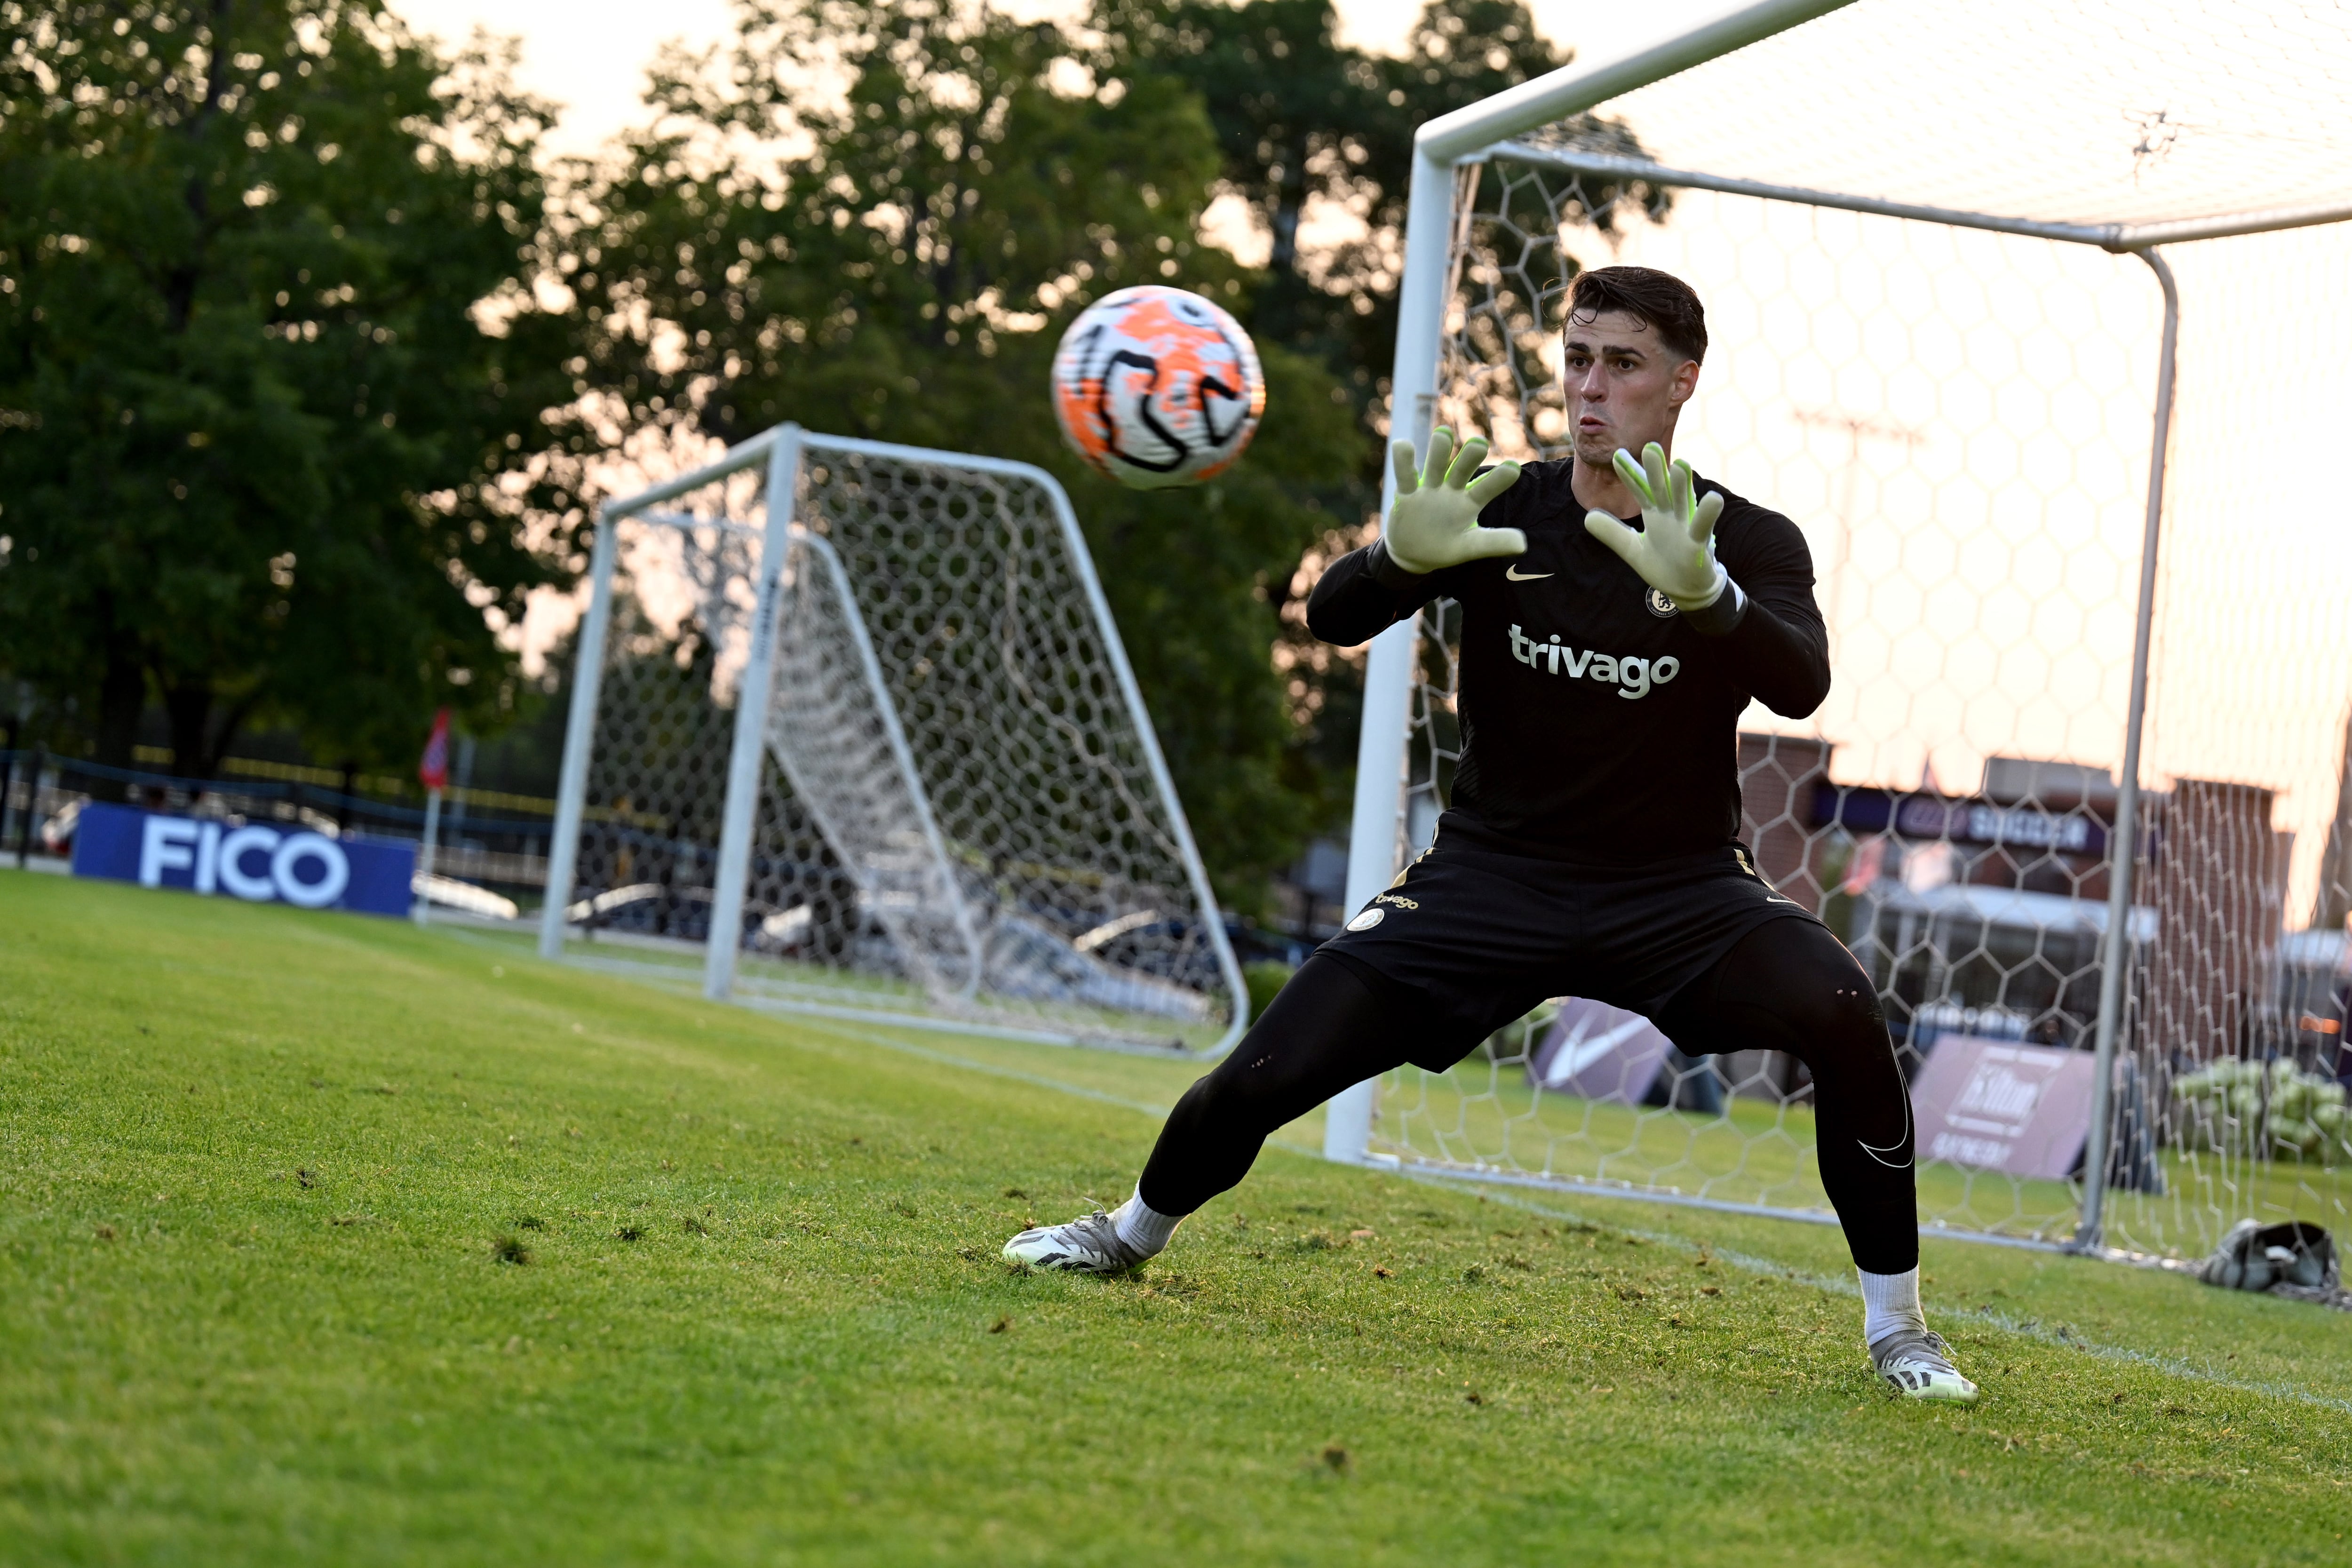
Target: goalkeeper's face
{"x": 1624, "y": 387}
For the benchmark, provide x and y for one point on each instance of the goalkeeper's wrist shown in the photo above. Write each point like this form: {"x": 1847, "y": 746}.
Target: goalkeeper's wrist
{"x": 1714, "y": 590}
{"x": 1387, "y": 570}
{"x": 1721, "y": 612}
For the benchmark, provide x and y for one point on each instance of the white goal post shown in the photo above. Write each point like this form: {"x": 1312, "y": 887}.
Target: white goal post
{"x": 1950, "y": 347}
{"x": 1423, "y": 296}
{"x": 852, "y": 734}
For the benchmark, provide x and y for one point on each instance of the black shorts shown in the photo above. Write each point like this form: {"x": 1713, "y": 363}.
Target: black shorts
{"x": 1476, "y": 935}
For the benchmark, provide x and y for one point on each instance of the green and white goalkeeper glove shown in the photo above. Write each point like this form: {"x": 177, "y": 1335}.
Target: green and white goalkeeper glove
{"x": 1434, "y": 521}
{"x": 1674, "y": 552}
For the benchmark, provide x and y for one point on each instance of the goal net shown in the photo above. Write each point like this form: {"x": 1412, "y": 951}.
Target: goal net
{"x": 877, "y": 752}
{"x": 2081, "y": 810}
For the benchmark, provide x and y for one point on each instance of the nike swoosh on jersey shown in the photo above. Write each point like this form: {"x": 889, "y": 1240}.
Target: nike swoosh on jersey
{"x": 1516, "y": 575}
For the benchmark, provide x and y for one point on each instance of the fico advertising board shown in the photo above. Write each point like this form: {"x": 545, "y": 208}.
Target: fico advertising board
{"x": 259, "y": 862}
{"x": 2004, "y": 1105}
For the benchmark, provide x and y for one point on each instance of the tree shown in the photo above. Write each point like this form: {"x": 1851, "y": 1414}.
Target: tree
{"x": 269, "y": 352}
{"x": 1301, "y": 116}
{"x": 905, "y": 273}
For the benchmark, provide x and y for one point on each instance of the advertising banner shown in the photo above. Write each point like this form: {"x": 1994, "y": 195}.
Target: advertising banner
{"x": 261, "y": 862}
{"x": 1998, "y": 1105}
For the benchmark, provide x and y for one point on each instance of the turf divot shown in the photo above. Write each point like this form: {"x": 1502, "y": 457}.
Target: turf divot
{"x": 2049, "y": 1334}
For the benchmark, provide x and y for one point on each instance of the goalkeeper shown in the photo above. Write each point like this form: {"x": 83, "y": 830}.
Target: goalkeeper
{"x": 1618, "y": 614}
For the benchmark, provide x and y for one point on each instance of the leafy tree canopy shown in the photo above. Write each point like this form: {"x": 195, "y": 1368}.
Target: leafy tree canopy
{"x": 251, "y": 420}
{"x": 1302, "y": 119}
{"x": 955, "y": 187}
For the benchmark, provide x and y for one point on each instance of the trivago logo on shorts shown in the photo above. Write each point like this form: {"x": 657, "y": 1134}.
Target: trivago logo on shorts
{"x": 257, "y": 861}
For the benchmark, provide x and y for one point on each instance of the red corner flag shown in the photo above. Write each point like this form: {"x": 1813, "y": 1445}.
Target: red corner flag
{"x": 433, "y": 767}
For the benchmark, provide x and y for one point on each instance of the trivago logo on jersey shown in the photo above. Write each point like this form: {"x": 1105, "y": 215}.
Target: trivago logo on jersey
{"x": 1631, "y": 675}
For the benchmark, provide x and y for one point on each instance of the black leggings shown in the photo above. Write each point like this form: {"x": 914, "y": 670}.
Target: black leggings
{"x": 1788, "y": 985}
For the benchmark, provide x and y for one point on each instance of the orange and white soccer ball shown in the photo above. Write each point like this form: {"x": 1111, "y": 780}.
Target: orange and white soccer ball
{"x": 1156, "y": 386}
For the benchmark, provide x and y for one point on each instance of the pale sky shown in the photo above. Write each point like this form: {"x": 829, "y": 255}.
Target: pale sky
{"x": 590, "y": 55}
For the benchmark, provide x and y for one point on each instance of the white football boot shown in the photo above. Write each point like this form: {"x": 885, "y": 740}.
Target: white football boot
{"x": 1087, "y": 1245}
{"x": 1917, "y": 1365}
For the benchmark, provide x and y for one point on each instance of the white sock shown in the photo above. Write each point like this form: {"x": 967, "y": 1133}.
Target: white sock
{"x": 1890, "y": 1302}
{"x": 1144, "y": 1228}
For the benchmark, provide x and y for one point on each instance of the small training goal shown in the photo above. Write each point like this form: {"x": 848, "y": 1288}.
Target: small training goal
{"x": 852, "y": 734}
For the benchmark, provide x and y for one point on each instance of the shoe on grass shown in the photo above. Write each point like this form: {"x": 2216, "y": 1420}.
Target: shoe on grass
{"x": 1917, "y": 1365}
{"x": 1087, "y": 1245}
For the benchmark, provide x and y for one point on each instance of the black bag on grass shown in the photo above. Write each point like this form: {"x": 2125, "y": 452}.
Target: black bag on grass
{"x": 2255, "y": 1257}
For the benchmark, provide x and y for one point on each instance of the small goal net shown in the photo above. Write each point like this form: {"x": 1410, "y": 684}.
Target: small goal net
{"x": 1978, "y": 280}
{"x": 877, "y": 752}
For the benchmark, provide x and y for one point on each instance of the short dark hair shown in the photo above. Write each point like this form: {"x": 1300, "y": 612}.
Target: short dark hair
{"x": 1658, "y": 299}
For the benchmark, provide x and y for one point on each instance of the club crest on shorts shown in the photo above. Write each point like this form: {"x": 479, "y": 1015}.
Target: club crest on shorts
{"x": 1368, "y": 919}
{"x": 1658, "y": 605}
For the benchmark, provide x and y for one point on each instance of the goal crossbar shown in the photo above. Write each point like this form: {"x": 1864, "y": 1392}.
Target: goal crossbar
{"x": 2115, "y": 236}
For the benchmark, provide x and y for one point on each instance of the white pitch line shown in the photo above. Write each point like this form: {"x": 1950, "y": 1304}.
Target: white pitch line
{"x": 990, "y": 1069}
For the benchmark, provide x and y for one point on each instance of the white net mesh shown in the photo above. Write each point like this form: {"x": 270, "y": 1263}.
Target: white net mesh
{"x": 833, "y": 727}
{"x": 648, "y": 845}
{"x": 1960, "y": 421}
{"x": 959, "y": 817}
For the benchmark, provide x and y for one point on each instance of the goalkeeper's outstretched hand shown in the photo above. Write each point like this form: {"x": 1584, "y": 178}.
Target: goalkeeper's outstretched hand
{"x": 1674, "y": 552}
{"x": 1434, "y": 521}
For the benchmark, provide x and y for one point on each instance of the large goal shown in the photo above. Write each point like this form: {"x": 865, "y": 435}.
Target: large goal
{"x": 852, "y": 733}
{"x": 2031, "y": 316}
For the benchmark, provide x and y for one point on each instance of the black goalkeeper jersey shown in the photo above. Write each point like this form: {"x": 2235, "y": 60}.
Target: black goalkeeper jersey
{"x": 1599, "y": 725}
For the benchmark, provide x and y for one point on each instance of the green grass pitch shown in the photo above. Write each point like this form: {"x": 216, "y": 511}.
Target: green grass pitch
{"x": 325, "y": 1239}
